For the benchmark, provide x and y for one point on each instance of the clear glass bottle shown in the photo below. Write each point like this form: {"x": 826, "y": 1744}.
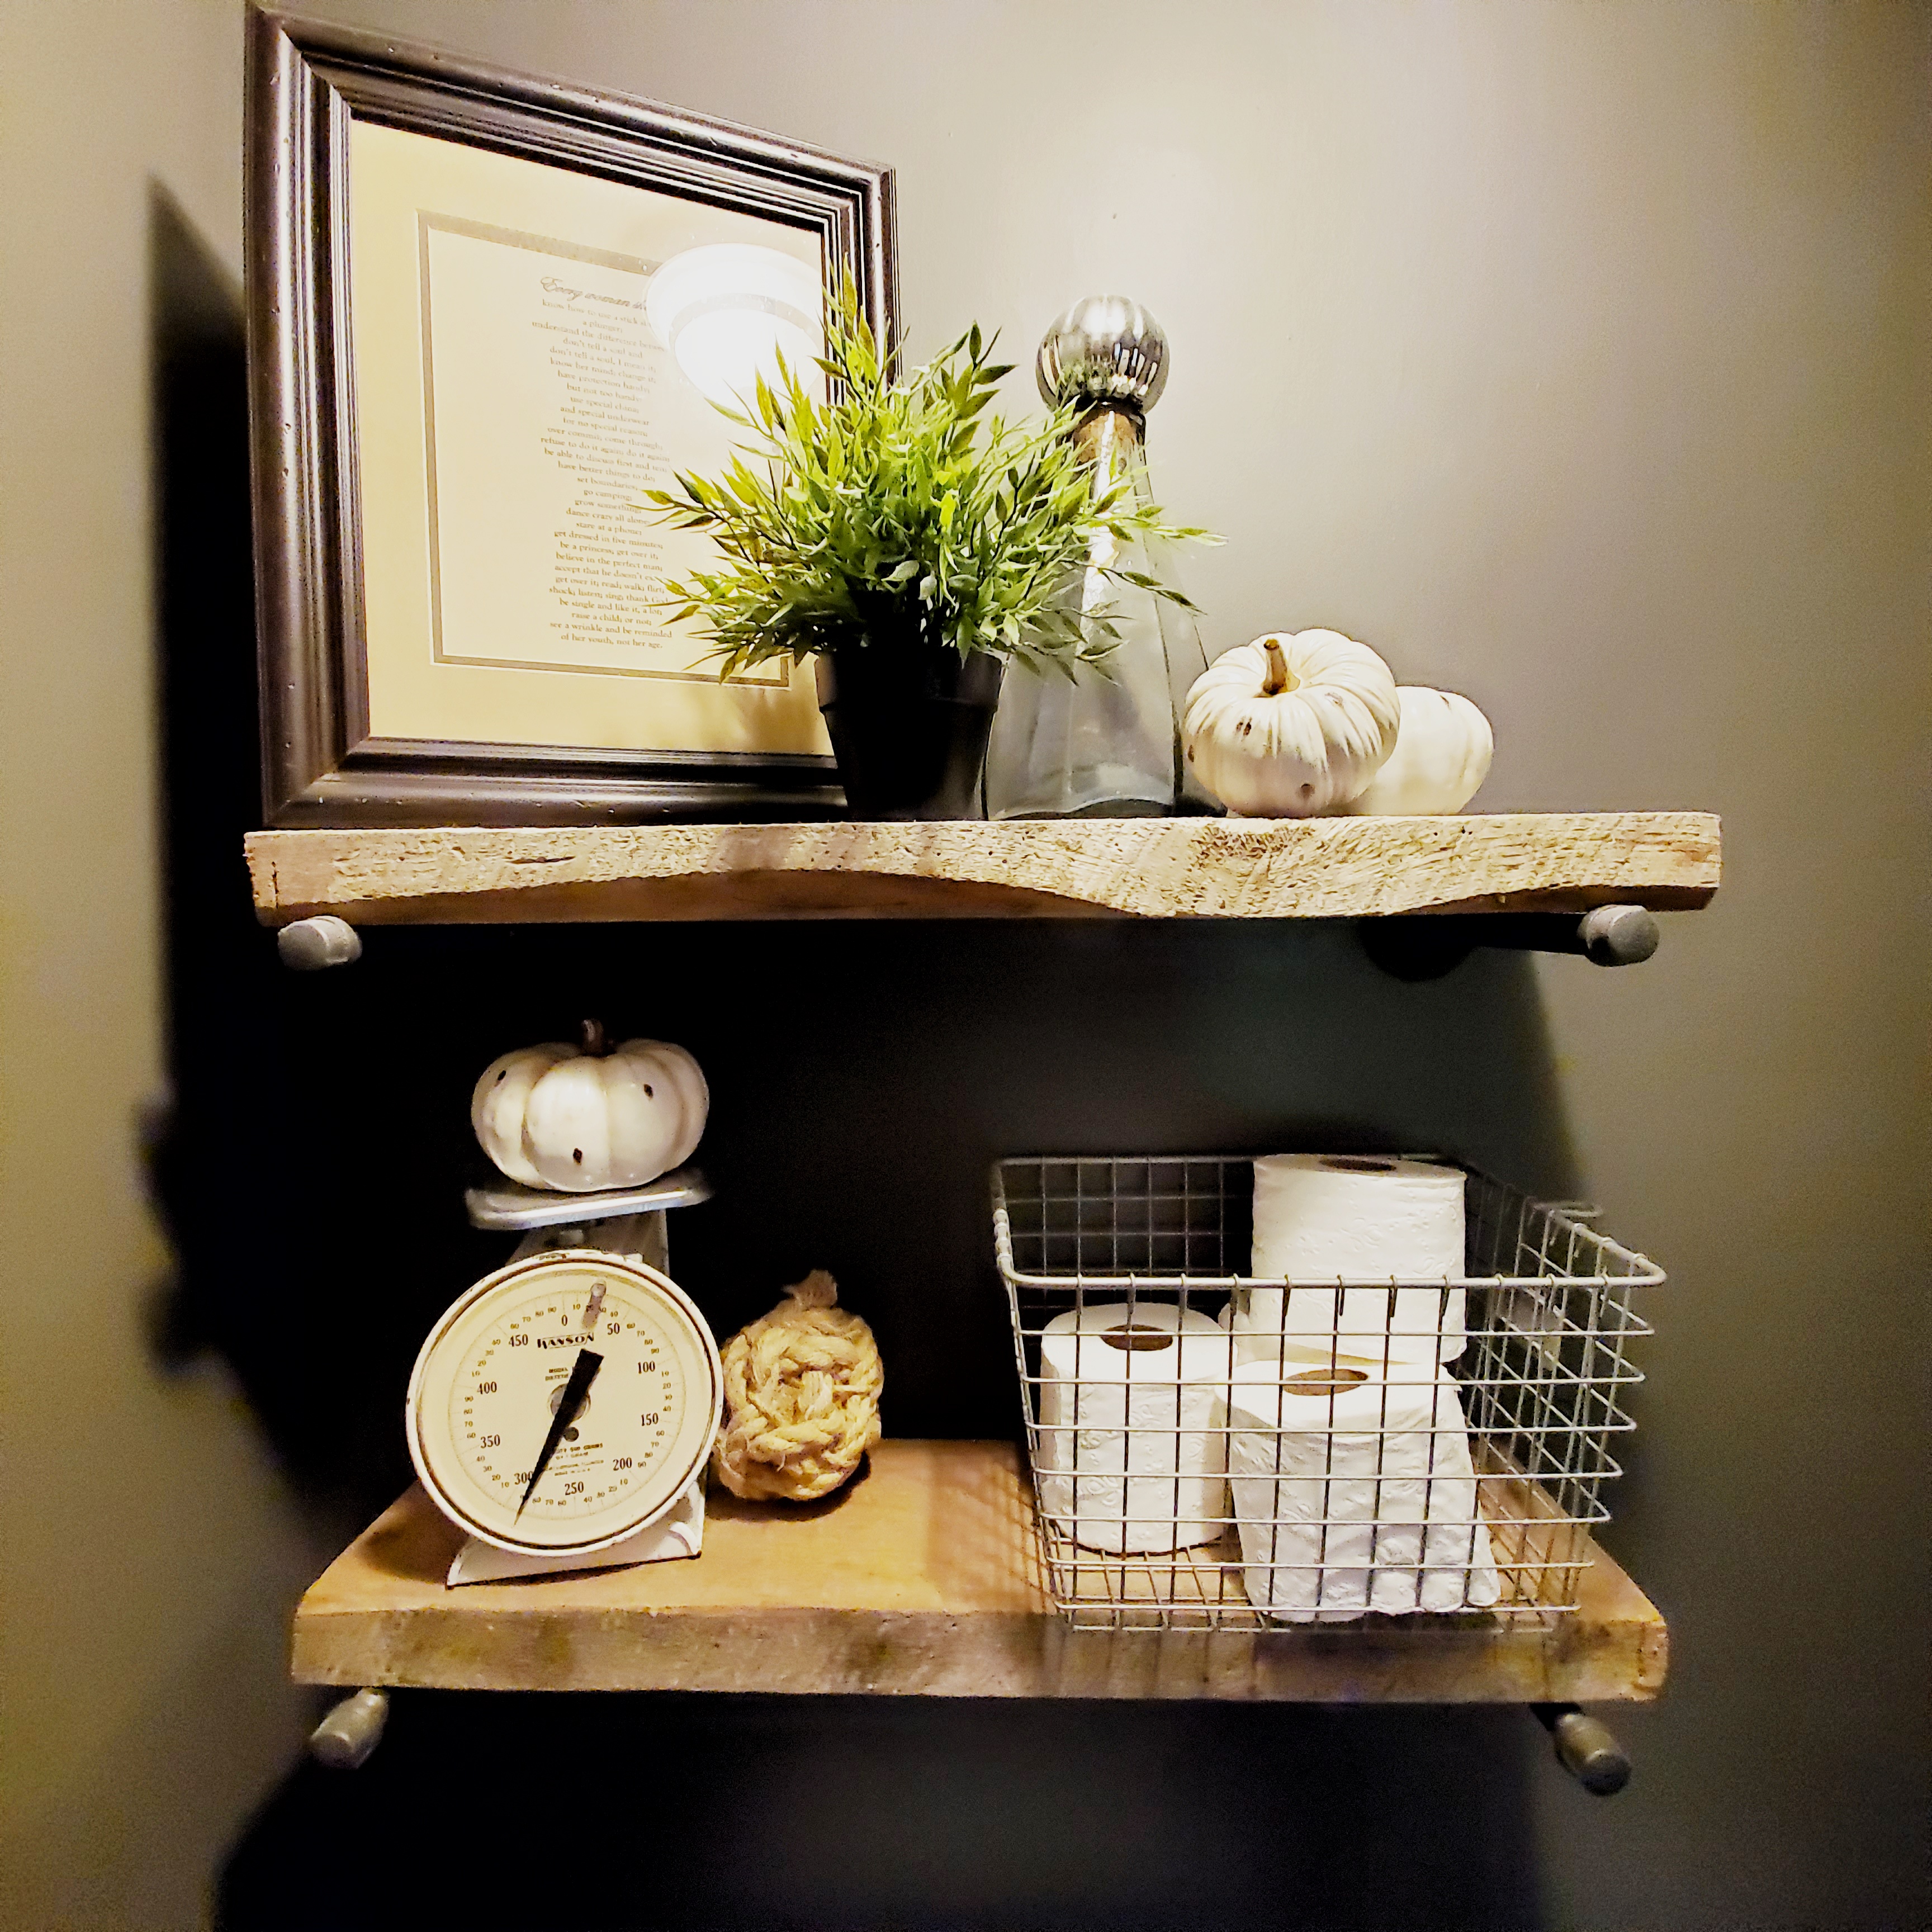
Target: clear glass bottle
{"x": 1105, "y": 742}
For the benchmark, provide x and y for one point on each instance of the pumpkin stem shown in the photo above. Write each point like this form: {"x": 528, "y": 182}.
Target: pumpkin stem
{"x": 590, "y": 1034}
{"x": 1277, "y": 678}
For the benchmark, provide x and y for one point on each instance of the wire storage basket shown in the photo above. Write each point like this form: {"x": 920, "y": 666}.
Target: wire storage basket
{"x": 1210, "y": 1450}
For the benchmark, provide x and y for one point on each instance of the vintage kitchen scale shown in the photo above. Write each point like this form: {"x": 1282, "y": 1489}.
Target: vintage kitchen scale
{"x": 562, "y": 1411}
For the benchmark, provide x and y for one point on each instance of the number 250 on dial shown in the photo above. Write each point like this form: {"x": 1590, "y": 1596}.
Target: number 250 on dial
{"x": 565, "y": 1403}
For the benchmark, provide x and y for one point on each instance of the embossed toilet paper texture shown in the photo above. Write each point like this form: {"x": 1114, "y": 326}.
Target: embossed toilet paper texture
{"x": 1355, "y": 1498}
{"x": 1322, "y": 1218}
{"x": 1131, "y": 1448}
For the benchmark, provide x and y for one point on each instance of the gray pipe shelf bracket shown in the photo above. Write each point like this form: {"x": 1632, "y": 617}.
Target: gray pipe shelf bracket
{"x": 346, "y": 1738}
{"x": 1425, "y": 945}
{"x": 1585, "y": 1748}
{"x": 313, "y": 945}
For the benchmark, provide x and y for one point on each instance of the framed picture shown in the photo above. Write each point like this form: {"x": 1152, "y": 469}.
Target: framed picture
{"x": 486, "y": 313}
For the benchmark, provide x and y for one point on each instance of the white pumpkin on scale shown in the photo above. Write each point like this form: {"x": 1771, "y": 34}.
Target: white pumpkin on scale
{"x": 576, "y": 1119}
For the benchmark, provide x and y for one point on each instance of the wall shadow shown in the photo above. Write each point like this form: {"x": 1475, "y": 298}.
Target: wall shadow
{"x": 780, "y": 1814}
{"x": 229, "y": 1159}
{"x": 864, "y": 1077}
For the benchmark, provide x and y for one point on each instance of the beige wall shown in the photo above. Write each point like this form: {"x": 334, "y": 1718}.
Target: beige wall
{"x": 150, "y": 1552}
{"x": 1577, "y": 356}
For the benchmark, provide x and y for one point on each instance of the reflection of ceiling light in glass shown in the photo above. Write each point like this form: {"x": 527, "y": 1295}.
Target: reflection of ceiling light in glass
{"x": 727, "y": 311}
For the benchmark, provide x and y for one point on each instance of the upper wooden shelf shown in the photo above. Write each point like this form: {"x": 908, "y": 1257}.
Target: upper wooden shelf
{"x": 1079, "y": 868}
{"x": 921, "y": 1579}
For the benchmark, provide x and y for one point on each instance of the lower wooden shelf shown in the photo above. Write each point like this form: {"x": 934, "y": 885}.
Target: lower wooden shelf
{"x": 921, "y": 1579}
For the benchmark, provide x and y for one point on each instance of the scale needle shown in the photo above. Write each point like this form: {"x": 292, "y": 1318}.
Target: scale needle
{"x": 583, "y": 1373}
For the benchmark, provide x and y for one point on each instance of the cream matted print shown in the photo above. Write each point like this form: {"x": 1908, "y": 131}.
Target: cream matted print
{"x": 513, "y": 405}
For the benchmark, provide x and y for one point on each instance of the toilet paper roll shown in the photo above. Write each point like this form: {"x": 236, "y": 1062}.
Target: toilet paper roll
{"x": 1352, "y": 1493}
{"x": 1132, "y": 1455}
{"x": 1322, "y": 1219}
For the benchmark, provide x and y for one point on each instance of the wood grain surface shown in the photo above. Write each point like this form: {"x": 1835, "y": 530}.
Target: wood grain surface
{"x": 921, "y": 1578}
{"x": 1081, "y": 869}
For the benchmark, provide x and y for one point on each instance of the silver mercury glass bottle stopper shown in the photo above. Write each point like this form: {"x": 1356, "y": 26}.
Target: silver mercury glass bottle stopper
{"x": 1105, "y": 743}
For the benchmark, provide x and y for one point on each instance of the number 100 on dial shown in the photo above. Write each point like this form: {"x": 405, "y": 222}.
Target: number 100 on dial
{"x": 565, "y": 1403}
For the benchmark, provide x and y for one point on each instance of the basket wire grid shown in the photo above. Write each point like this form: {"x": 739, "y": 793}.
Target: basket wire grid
{"x": 1340, "y": 1511}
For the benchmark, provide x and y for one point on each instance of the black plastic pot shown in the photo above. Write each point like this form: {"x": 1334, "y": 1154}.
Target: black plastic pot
{"x": 909, "y": 728}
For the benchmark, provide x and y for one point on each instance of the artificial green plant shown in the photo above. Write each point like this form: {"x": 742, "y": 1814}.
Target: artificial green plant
{"x": 899, "y": 513}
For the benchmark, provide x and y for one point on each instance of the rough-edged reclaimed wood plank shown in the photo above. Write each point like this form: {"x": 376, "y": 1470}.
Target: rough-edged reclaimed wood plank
{"x": 922, "y": 1579}
{"x": 1151, "y": 867}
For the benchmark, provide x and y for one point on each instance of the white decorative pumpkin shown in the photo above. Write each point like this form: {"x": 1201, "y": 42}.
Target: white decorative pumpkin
{"x": 577, "y": 1118}
{"x": 1292, "y": 725}
{"x": 1440, "y": 758}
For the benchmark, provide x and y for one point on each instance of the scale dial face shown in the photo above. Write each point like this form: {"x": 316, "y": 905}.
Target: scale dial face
{"x": 485, "y": 1396}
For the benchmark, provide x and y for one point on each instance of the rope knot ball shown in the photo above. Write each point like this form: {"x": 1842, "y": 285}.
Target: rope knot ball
{"x": 801, "y": 1397}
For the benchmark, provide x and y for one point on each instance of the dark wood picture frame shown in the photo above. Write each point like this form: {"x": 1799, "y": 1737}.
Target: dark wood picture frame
{"x": 307, "y": 82}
